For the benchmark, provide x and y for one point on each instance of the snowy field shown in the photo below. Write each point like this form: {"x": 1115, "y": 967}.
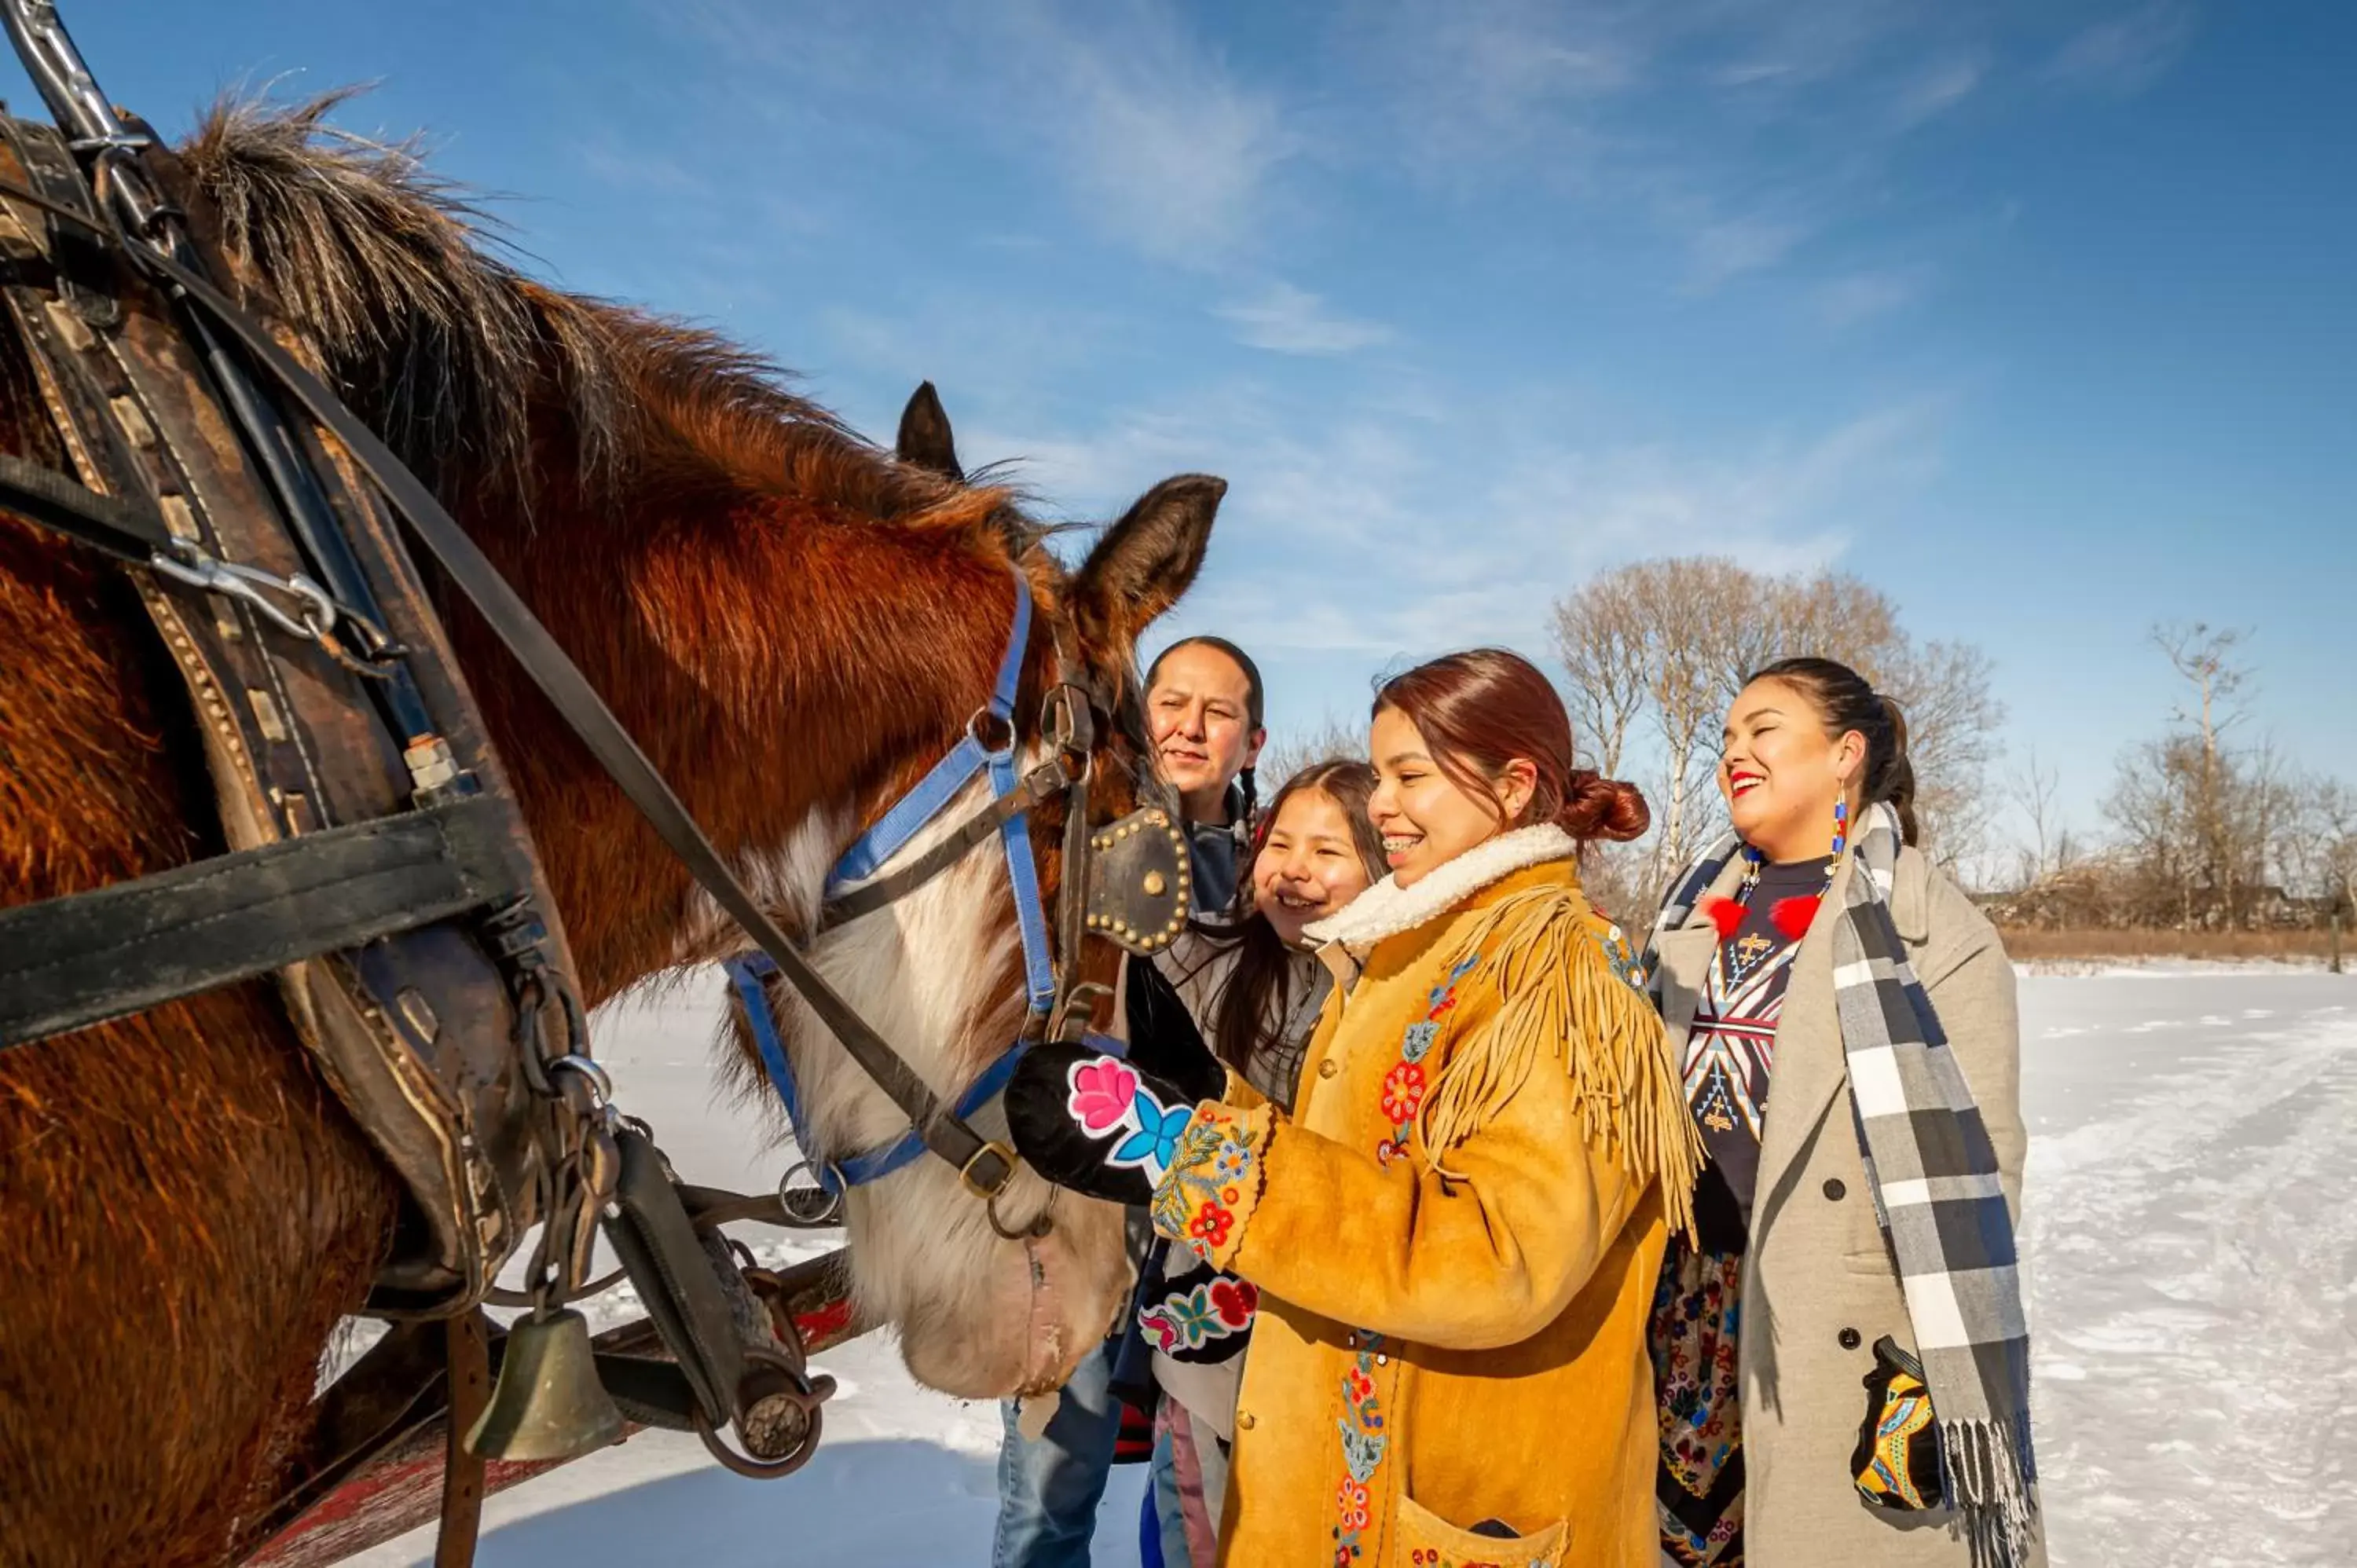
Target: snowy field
{"x": 2191, "y": 1239}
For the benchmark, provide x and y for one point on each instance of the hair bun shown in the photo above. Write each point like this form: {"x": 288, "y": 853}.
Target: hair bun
{"x": 1595, "y": 807}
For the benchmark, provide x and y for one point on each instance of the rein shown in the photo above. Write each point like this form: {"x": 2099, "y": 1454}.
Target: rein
{"x": 860, "y": 884}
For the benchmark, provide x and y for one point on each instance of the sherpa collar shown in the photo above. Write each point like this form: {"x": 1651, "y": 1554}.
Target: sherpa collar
{"x": 1386, "y": 909}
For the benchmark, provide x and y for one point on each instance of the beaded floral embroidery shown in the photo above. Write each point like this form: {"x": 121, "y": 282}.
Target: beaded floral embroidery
{"x": 1196, "y": 1200}
{"x": 1107, "y": 1096}
{"x": 1363, "y": 1443}
{"x": 1409, "y": 1080}
{"x": 1216, "y": 1309}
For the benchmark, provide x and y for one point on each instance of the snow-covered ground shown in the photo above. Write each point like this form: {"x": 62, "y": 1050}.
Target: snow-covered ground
{"x": 2192, "y": 1242}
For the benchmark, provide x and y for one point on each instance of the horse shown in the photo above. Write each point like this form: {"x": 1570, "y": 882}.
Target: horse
{"x": 794, "y": 625}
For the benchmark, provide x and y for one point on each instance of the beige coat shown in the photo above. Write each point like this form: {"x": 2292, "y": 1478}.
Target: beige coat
{"x": 1818, "y": 1285}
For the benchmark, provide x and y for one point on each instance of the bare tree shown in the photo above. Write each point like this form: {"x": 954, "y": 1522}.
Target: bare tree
{"x": 1655, "y": 653}
{"x": 1289, "y": 753}
{"x": 2329, "y": 828}
{"x": 2031, "y": 788}
{"x": 1684, "y": 605}
{"x": 1600, "y": 637}
{"x": 2205, "y": 657}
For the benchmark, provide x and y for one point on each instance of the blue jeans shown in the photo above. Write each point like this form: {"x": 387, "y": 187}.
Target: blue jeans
{"x": 1166, "y": 1518}
{"x": 1049, "y": 1490}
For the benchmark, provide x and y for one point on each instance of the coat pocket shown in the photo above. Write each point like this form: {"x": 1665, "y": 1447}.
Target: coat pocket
{"x": 1427, "y": 1541}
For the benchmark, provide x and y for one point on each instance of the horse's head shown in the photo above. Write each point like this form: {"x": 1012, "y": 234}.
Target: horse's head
{"x": 1004, "y": 1296}
{"x": 793, "y": 624}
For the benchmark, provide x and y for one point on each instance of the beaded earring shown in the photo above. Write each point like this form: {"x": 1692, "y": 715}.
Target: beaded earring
{"x": 1793, "y": 916}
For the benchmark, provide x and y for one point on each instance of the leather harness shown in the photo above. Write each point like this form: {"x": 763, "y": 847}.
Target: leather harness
{"x": 378, "y": 868}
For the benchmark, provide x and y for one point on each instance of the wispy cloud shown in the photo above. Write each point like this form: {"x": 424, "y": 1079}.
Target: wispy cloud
{"x": 1724, "y": 249}
{"x": 1162, "y": 141}
{"x": 1861, "y": 296}
{"x": 1354, "y": 536}
{"x": 1143, "y": 129}
{"x": 1938, "y": 90}
{"x": 2127, "y": 53}
{"x": 1284, "y": 320}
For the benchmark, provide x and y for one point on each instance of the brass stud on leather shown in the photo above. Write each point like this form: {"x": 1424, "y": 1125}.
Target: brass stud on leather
{"x": 1154, "y": 884}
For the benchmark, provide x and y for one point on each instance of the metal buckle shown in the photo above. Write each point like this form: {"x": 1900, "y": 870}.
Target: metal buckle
{"x": 1067, "y": 720}
{"x": 1007, "y": 1159}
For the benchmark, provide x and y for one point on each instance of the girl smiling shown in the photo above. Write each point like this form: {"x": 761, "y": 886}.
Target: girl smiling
{"x": 1253, "y": 989}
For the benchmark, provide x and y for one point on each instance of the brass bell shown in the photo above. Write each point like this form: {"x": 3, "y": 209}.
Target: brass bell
{"x": 548, "y": 1402}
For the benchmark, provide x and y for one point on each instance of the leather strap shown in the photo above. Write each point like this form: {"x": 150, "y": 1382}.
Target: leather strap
{"x": 984, "y": 1166}
{"x": 129, "y": 533}
{"x": 69, "y": 962}
{"x": 469, "y": 1341}
{"x": 655, "y": 1241}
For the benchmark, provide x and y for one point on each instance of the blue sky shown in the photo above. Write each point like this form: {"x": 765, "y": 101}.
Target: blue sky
{"x": 2041, "y": 316}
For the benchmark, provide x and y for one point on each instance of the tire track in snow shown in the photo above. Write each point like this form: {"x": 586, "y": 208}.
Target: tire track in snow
{"x": 2192, "y": 1259}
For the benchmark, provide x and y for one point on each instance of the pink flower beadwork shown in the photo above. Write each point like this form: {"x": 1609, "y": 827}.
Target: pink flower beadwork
{"x": 1102, "y": 1093}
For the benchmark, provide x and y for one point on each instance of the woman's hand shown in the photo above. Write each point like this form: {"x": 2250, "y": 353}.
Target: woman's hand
{"x": 1095, "y": 1123}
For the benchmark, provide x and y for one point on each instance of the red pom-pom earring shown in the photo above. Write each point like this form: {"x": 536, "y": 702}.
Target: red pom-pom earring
{"x": 1793, "y": 916}
{"x": 1726, "y": 914}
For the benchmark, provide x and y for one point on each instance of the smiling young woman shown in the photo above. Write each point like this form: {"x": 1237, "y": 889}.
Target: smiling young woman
{"x": 1459, "y": 1223}
{"x": 1249, "y": 992}
{"x": 1864, "y": 1210}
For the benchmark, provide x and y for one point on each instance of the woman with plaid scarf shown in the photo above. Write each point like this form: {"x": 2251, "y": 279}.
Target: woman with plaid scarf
{"x": 1840, "y": 1357}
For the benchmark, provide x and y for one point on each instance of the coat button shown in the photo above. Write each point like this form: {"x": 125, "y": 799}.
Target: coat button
{"x": 1244, "y": 1420}
{"x": 1328, "y": 1067}
{"x": 1850, "y": 1339}
{"x": 1835, "y": 1190}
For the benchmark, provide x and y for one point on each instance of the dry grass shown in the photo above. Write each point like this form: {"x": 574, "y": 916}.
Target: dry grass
{"x": 2025, "y": 943}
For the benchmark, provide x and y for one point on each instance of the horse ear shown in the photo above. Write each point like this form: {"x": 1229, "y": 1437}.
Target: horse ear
{"x": 1147, "y": 560}
{"x": 925, "y": 440}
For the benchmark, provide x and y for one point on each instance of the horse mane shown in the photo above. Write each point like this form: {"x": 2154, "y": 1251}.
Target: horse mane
{"x": 469, "y": 368}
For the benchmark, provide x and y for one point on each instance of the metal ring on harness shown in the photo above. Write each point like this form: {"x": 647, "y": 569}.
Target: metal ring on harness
{"x": 601, "y": 1082}
{"x": 817, "y": 1206}
{"x": 1041, "y": 1223}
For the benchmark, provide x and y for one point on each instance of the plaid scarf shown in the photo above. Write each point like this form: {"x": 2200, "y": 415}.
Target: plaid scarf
{"x": 1933, "y": 1176}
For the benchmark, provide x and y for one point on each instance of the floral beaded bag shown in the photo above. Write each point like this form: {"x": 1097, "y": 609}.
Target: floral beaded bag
{"x": 1897, "y": 1462}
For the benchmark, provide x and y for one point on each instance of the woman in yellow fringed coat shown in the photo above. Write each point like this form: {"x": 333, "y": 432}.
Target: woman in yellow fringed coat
{"x": 1455, "y": 1237}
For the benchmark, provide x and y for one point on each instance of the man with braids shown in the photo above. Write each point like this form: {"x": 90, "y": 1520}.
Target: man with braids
{"x": 1203, "y": 710}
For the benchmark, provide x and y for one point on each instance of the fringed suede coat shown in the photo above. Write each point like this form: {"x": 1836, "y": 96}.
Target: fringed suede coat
{"x": 1455, "y": 1236}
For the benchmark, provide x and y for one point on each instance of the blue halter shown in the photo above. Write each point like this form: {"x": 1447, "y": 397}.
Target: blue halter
{"x": 891, "y": 833}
